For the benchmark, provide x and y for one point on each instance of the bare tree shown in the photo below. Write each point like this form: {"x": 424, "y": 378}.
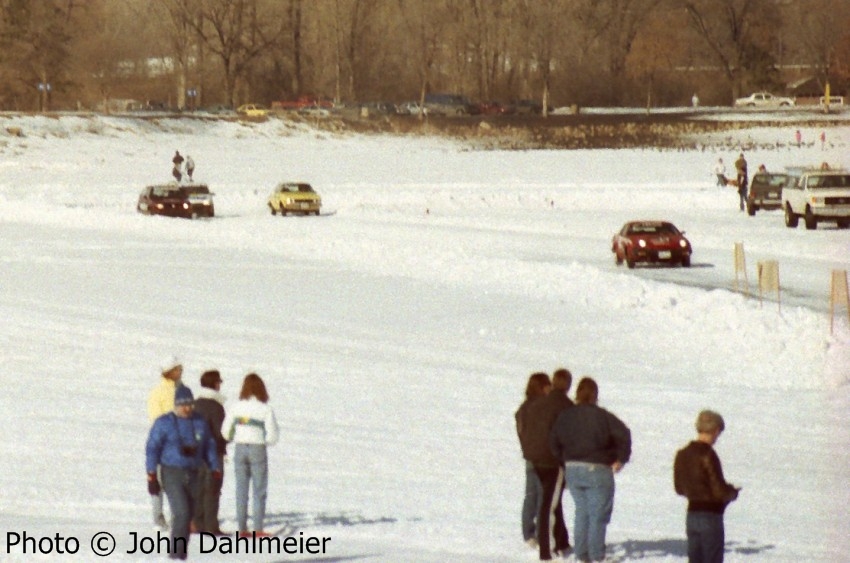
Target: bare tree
{"x": 35, "y": 38}
{"x": 739, "y": 33}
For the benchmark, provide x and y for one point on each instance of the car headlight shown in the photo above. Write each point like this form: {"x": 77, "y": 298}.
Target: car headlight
{"x": 159, "y": 206}
{"x": 185, "y": 205}
{"x": 683, "y": 243}
{"x": 641, "y": 243}
{"x": 817, "y": 200}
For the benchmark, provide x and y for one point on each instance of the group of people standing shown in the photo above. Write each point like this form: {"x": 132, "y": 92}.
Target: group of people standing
{"x": 581, "y": 446}
{"x": 177, "y": 170}
{"x": 187, "y": 445}
{"x": 742, "y": 178}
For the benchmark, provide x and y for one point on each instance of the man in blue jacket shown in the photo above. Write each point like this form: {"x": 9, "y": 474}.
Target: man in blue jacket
{"x": 179, "y": 442}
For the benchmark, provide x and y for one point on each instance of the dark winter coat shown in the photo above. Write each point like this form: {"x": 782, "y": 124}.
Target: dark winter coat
{"x": 590, "y": 434}
{"x": 210, "y": 408}
{"x": 697, "y": 475}
{"x": 171, "y": 434}
{"x": 538, "y": 416}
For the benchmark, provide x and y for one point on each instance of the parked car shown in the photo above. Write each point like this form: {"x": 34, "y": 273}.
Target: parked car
{"x": 294, "y": 197}
{"x": 765, "y": 192}
{"x": 528, "y": 107}
{"x": 411, "y": 108}
{"x": 818, "y": 195}
{"x": 252, "y": 110}
{"x": 175, "y": 200}
{"x": 449, "y": 104}
{"x": 764, "y": 100}
{"x": 651, "y": 241}
{"x": 494, "y": 108}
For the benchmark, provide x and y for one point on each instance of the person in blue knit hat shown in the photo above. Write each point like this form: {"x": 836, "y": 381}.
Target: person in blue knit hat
{"x": 179, "y": 442}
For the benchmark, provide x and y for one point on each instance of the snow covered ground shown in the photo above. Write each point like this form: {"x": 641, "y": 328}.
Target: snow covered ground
{"x": 396, "y": 335}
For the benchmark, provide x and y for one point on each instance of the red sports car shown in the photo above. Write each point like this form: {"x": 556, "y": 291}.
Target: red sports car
{"x": 651, "y": 241}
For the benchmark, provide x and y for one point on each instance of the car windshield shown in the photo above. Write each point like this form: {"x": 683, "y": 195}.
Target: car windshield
{"x": 194, "y": 190}
{"x": 771, "y": 180}
{"x": 652, "y": 229}
{"x": 164, "y": 192}
{"x": 294, "y": 188}
{"x": 830, "y": 181}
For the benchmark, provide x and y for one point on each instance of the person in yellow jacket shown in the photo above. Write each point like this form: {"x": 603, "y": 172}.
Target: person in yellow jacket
{"x": 160, "y": 402}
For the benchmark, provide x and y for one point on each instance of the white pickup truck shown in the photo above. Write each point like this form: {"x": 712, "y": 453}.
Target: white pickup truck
{"x": 818, "y": 195}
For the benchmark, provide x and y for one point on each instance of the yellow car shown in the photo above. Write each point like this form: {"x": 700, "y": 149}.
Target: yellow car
{"x": 295, "y": 197}
{"x": 252, "y": 110}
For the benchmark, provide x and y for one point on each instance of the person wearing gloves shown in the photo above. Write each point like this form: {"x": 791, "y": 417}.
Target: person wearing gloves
{"x": 178, "y": 444}
{"x": 251, "y": 425}
{"x": 160, "y": 402}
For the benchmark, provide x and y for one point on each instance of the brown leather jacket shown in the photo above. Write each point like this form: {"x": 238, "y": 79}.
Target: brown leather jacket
{"x": 697, "y": 475}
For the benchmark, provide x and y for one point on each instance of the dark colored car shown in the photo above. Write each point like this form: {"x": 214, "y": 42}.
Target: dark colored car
{"x": 174, "y": 200}
{"x": 765, "y": 192}
{"x": 526, "y": 107}
{"x": 651, "y": 241}
{"x": 449, "y": 104}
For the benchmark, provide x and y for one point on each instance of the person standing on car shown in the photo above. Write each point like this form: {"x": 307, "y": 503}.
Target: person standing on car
{"x": 160, "y": 402}
{"x": 190, "y": 167}
{"x": 210, "y": 406}
{"x": 552, "y": 534}
{"x": 720, "y": 171}
{"x": 178, "y": 444}
{"x": 538, "y": 386}
{"x": 593, "y": 445}
{"x": 178, "y": 166}
{"x": 252, "y": 426}
{"x": 697, "y": 475}
{"x": 743, "y": 180}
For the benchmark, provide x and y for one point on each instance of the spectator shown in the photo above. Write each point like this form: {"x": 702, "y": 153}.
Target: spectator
{"x": 538, "y": 386}
{"x": 252, "y": 426}
{"x": 697, "y": 475}
{"x": 720, "y": 171}
{"x": 593, "y": 444}
{"x": 743, "y": 180}
{"x": 178, "y": 165}
{"x": 552, "y": 534}
{"x": 160, "y": 402}
{"x": 190, "y": 167}
{"x": 210, "y": 406}
{"x": 178, "y": 443}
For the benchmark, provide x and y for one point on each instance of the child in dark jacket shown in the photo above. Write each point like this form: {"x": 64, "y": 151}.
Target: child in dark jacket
{"x": 698, "y": 475}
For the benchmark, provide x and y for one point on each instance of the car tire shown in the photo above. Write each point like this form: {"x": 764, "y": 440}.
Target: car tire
{"x": 751, "y": 210}
{"x": 791, "y": 218}
{"x": 686, "y": 261}
{"x": 810, "y": 220}
{"x": 843, "y": 224}
{"x": 618, "y": 259}
{"x": 630, "y": 263}
{"x": 272, "y": 209}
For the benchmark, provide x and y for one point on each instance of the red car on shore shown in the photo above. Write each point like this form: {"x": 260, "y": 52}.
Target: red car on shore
{"x": 651, "y": 241}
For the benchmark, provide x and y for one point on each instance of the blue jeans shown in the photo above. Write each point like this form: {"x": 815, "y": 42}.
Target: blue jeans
{"x": 250, "y": 464}
{"x": 705, "y": 537}
{"x": 592, "y": 488}
{"x": 181, "y": 487}
{"x": 531, "y": 503}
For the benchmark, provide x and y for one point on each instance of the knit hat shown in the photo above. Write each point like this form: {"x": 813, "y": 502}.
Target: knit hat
{"x": 169, "y": 363}
{"x": 183, "y": 396}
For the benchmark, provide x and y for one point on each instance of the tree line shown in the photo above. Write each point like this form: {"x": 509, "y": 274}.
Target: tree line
{"x": 78, "y": 54}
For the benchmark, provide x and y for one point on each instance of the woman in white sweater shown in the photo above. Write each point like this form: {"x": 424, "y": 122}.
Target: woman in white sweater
{"x": 251, "y": 425}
